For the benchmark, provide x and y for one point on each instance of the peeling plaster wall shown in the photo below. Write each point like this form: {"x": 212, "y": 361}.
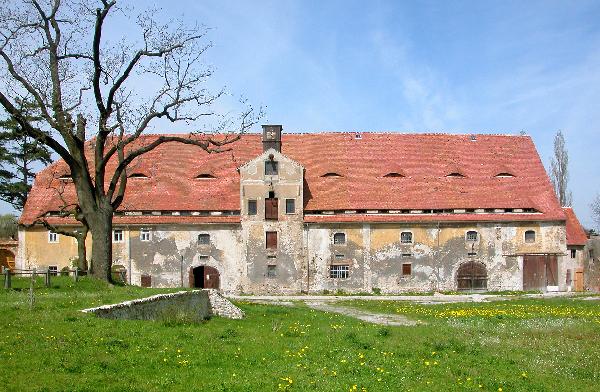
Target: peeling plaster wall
{"x": 375, "y": 255}
{"x": 36, "y": 252}
{"x": 173, "y": 250}
{"x": 288, "y": 257}
{"x": 591, "y": 266}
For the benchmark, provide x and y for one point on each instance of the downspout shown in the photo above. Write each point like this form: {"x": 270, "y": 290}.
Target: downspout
{"x": 439, "y": 252}
{"x": 307, "y": 258}
{"x": 129, "y": 253}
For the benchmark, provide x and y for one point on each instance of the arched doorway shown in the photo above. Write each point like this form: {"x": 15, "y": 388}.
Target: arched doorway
{"x": 7, "y": 259}
{"x": 204, "y": 277}
{"x": 471, "y": 276}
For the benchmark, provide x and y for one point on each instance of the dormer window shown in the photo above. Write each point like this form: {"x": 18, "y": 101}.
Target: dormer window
{"x": 331, "y": 174}
{"x": 394, "y": 175}
{"x": 504, "y": 175}
{"x": 138, "y": 175}
{"x": 271, "y": 168}
{"x": 205, "y": 176}
{"x": 65, "y": 177}
{"x": 455, "y": 175}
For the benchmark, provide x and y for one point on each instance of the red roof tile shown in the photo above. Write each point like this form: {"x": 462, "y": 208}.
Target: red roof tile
{"x": 424, "y": 160}
{"x": 575, "y": 232}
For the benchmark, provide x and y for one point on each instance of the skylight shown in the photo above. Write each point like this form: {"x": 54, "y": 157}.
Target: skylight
{"x": 394, "y": 174}
{"x": 455, "y": 175}
{"x": 138, "y": 175}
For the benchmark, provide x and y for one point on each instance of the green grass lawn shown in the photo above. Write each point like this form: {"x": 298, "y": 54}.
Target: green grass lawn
{"x": 520, "y": 345}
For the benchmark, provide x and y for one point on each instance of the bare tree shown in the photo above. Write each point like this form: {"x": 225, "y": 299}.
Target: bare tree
{"x": 54, "y": 54}
{"x": 559, "y": 170}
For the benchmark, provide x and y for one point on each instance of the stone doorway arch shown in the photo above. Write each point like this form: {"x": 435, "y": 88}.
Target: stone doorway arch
{"x": 204, "y": 277}
{"x": 471, "y": 276}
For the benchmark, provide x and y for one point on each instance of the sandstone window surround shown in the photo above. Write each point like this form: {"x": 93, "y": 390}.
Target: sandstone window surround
{"x": 203, "y": 239}
{"x": 530, "y": 236}
{"x": 339, "y": 238}
{"x": 252, "y": 207}
{"x": 472, "y": 236}
{"x": 406, "y": 237}
{"x": 290, "y": 206}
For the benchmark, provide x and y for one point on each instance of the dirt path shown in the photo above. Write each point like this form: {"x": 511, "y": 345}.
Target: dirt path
{"x": 375, "y": 318}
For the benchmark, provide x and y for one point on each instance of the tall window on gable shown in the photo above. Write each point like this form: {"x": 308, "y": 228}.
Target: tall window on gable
{"x": 339, "y": 238}
{"x": 406, "y": 237}
{"x": 471, "y": 236}
{"x": 290, "y": 206}
{"x": 573, "y": 253}
{"x": 251, "y": 207}
{"x": 117, "y": 235}
{"x": 271, "y": 239}
{"x": 203, "y": 239}
{"x": 530, "y": 236}
{"x": 271, "y": 168}
{"x": 271, "y": 207}
{"x": 52, "y": 237}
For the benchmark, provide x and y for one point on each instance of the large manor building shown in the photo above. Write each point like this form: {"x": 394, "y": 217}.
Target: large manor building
{"x": 357, "y": 212}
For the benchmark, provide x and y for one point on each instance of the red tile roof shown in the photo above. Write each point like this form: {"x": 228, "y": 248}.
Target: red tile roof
{"x": 423, "y": 159}
{"x": 575, "y": 232}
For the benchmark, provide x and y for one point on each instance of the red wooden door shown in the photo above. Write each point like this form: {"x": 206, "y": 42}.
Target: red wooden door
{"x": 271, "y": 209}
{"x": 211, "y": 278}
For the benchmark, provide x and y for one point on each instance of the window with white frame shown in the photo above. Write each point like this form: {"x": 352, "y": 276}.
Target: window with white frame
{"x": 118, "y": 235}
{"x": 471, "y": 236}
{"x": 53, "y": 270}
{"x": 339, "y": 271}
{"x": 145, "y": 235}
{"x": 52, "y": 237}
{"x": 406, "y": 237}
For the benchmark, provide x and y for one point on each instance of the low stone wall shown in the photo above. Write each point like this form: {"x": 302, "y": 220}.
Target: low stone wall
{"x": 196, "y": 305}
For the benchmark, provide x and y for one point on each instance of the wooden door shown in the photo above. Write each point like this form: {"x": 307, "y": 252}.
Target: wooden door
{"x": 534, "y": 270}
{"x": 551, "y": 270}
{"x": 579, "y": 279}
{"x": 211, "y": 278}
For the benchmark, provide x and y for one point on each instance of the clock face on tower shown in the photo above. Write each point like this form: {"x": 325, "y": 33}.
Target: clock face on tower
{"x": 270, "y": 135}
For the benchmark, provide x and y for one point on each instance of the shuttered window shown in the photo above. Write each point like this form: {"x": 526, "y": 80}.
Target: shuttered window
{"x": 271, "y": 208}
{"x": 271, "y": 239}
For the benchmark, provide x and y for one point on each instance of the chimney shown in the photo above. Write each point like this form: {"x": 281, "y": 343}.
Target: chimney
{"x": 272, "y": 137}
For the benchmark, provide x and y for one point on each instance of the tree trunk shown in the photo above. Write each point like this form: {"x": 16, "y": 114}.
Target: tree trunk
{"x": 101, "y": 228}
{"x": 81, "y": 252}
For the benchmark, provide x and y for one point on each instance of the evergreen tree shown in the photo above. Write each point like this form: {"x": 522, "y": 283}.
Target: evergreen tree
{"x": 20, "y": 156}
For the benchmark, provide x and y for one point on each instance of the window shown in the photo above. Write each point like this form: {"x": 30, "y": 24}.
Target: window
{"x": 203, "y": 239}
{"x": 530, "y": 236}
{"x": 406, "y": 269}
{"x": 573, "y": 253}
{"x": 53, "y": 270}
{"x": 145, "y": 235}
{"x": 251, "y": 207}
{"x": 271, "y": 208}
{"x": 393, "y": 175}
{"x": 271, "y": 240}
{"x": 52, "y": 237}
{"x": 406, "y": 237}
{"x": 271, "y": 271}
{"x": 331, "y": 174}
{"x": 339, "y": 271}
{"x": 271, "y": 168}
{"x": 339, "y": 238}
{"x": 118, "y": 235}
{"x": 205, "y": 176}
{"x": 471, "y": 236}
{"x": 407, "y": 255}
{"x": 340, "y": 257}
{"x": 290, "y": 206}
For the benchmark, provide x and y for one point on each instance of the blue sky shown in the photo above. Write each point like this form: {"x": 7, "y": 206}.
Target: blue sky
{"x": 428, "y": 66}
